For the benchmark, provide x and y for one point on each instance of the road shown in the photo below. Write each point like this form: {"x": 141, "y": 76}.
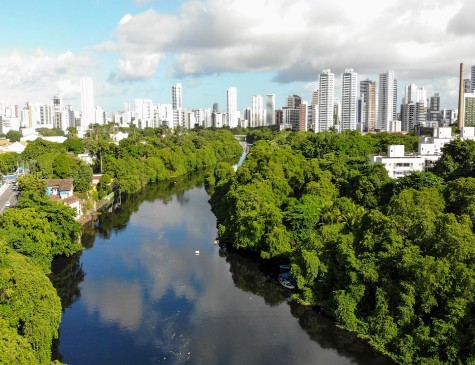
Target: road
{"x": 8, "y": 195}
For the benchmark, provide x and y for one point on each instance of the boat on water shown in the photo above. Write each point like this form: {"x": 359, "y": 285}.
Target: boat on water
{"x": 285, "y": 267}
{"x": 286, "y": 280}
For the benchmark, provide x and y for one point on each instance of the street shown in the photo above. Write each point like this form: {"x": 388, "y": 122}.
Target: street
{"x": 9, "y": 195}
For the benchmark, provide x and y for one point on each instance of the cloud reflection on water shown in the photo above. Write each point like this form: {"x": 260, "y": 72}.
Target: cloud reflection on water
{"x": 187, "y": 307}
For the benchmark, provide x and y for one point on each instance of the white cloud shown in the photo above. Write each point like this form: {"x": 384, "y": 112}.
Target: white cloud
{"x": 134, "y": 67}
{"x": 36, "y": 74}
{"x": 300, "y": 38}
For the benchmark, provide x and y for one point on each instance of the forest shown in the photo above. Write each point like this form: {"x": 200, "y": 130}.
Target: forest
{"x": 392, "y": 260}
{"x": 38, "y": 229}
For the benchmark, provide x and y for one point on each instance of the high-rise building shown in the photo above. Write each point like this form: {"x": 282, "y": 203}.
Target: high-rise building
{"x": 412, "y": 114}
{"x": 88, "y": 109}
{"x": 472, "y": 79}
{"x": 257, "y": 116}
{"x": 434, "y": 108}
{"x": 469, "y": 106}
{"x": 467, "y": 87}
{"x": 360, "y": 107}
{"x": 291, "y": 118}
{"x": 314, "y": 111}
{"x": 368, "y": 93}
{"x": 387, "y": 107}
{"x": 349, "y": 93}
{"x": 144, "y": 109}
{"x": 303, "y": 117}
{"x": 326, "y": 100}
{"x": 177, "y": 96}
{"x": 232, "y": 107}
{"x": 293, "y": 101}
{"x": 414, "y": 94}
{"x": 270, "y": 109}
{"x": 57, "y": 102}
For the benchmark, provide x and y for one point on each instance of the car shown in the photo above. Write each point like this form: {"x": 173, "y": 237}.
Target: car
{"x": 7, "y": 205}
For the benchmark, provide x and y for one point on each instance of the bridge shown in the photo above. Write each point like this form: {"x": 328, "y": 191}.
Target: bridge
{"x": 240, "y": 137}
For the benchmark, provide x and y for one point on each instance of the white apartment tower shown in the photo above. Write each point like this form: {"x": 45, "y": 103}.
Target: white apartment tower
{"x": 414, "y": 94}
{"x": 326, "y": 100}
{"x": 177, "y": 96}
{"x": 472, "y": 79}
{"x": 368, "y": 93}
{"x": 349, "y": 95}
{"x": 270, "y": 109}
{"x": 387, "y": 106}
{"x": 232, "y": 107}
{"x": 257, "y": 113}
{"x": 88, "y": 109}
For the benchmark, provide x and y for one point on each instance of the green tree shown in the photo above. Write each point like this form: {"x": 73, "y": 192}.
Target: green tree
{"x": 457, "y": 160}
{"x": 83, "y": 177}
{"x": 31, "y": 182}
{"x": 13, "y": 136}
{"x": 30, "y": 310}
{"x": 74, "y": 145}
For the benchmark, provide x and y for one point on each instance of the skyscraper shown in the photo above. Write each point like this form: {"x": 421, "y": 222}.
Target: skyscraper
{"x": 232, "y": 107}
{"x": 293, "y": 101}
{"x": 177, "y": 97}
{"x": 387, "y": 107}
{"x": 88, "y": 109}
{"x": 257, "y": 114}
{"x": 349, "y": 90}
{"x": 472, "y": 79}
{"x": 368, "y": 92}
{"x": 270, "y": 109}
{"x": 414, "y": 94}
{"x": 434, "y": 108}
{"x": 326, "y": 100}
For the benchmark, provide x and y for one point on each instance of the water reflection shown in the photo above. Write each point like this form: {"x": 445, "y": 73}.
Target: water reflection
{"x": 148, "y": 299}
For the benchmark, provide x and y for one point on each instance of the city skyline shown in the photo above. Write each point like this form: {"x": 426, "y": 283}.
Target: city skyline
{"x": 141, "y": 48}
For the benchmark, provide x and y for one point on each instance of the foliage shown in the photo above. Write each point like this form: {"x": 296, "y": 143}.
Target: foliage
{"x": 50, "y": 132}
{"x": 457, "y": 160}
{"x": 74, "y": 145}
{"x": 39, "y": 147}
{"x": 8, "y": 161}
{"x": 391, "y": 260}
{"x": 137, "y": 161}
{"x": 13, "y": 136}
{"x": 30, "y": 311}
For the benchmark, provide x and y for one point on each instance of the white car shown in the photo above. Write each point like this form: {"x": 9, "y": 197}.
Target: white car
{"x": 7, "y": 205}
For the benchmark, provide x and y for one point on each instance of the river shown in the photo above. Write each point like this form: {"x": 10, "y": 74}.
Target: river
{"x": 139, "y": 293}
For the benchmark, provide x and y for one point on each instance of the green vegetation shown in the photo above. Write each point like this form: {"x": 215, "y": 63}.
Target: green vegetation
{"x": 32, "y": 233}
{"x": 13, "y": 136}
{"x": 393, "y": 261}
{"x": 39, "y": 229}
{"x": 156, "y": 155}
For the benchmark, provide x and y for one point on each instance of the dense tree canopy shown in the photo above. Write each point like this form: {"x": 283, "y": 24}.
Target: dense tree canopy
{"x": 392, "y": 260}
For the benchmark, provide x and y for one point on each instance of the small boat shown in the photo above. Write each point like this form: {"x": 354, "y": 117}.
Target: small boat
{"x": 286, "y": 280}
{"x": 285, "y": 267}
{"x": 216, "y": 241}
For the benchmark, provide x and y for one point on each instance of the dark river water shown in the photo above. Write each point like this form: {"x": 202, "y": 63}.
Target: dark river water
{"x": 140, "y": 294}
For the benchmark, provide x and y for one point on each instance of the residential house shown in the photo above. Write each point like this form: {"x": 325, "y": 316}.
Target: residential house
{"x": 60, "y": 187}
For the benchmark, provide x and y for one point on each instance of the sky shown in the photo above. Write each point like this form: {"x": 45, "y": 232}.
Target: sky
{"x": 140, "y": 48}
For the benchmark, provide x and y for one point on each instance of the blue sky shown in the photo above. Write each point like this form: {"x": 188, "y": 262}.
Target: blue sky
{"x": 140, "y": 48}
